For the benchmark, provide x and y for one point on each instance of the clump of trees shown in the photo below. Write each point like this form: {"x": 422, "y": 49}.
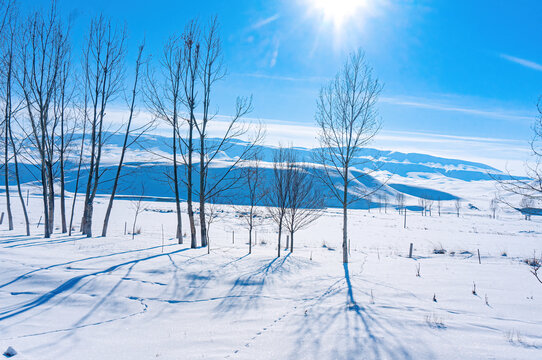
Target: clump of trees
{"x": 55, "y": 109}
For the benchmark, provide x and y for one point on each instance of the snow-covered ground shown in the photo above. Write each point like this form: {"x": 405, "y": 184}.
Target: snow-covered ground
{"x": 118, "y": 298}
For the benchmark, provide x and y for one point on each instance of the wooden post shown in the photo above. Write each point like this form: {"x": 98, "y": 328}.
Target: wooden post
{"x": 162, "y": 238}
{"x": 410, "y": 251}
{"x": 2, "y": 218}
{"x": 125, "y": 228}
{"x": 479, "y": 260}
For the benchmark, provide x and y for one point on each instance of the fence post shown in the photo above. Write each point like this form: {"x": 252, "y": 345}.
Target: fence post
{"x": 479, "y": 260}
{"x": 410, "y": 251}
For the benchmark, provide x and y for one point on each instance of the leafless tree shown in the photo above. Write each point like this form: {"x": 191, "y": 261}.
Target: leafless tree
{"x": 429, "y": 206}
{"x": 457, "y": 204}
{"x": 400, "y": 200}
{"x": 42, "y": 54}
{"x": 277, "y": 194}
{"x": 526, "y": 206}
{"x": 305, "y": 203}
{"x": 7, "y": 35}
{"x": 347, "y": 119}
{"x": 212, "y": 70}
{"x": 253, "y": 175}
{"x": 439, "y": 206}
{"x": 103, "y": 66}
{"x": 530, "y": 185}
{"x": 494, "y": 206}
{"x": 64, "y": 117}
{"x": 138, "y": 207}
{"x": 131, "y": 135}
{"x": 190, "y": 61}
{"x": 164, "y": 98}
{"x": 212, "y": 214}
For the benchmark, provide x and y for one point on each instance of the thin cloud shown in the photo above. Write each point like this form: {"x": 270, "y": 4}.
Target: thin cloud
{"x": 523, "y": 62}
{"x": 284, "y": 78}
{"x": 265, "y": 21}
{"x": 424, "y": 104}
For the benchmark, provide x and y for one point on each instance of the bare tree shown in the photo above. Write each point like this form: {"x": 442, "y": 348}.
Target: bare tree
{"x": 138, "y": 207}
{"x": 41, "y": 55}
{"x": 305, "y": 203}
{"x": 103, "y": 66}
{"x": 526, "y": 206}
{"x": 494, "y": 206}
{"x": 164, "y": 99}
{"x": 347, "y": 119}
{"x": 7, "y": 34}
{"x": 400, "y": 200}
{"x": 212, "y": 70}
{"x": 212, "y": 215}
{"x": 189, "y": 78}
{"x": 439, "y": 205}
{"x": 429, "y": 206}
{"x": 253, "y": 175}
{"x": 457, "y": 204}
{"x": 277, "y": 193}
{"x": 131, "y": 135}
{"x": 531, "y": 185}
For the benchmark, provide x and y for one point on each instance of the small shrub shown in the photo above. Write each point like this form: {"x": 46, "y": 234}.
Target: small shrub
{"x": 435, "y": 322}
{"x": 439, "y": 251}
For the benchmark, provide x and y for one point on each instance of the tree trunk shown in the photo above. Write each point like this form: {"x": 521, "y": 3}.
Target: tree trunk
{"x": 189, "y": 182}
{"x": 345, "y": 220}
{"x": 280, "y": 234}
{"x": 47, "y": 234}
{"x": 6, "y": 167}
{"x": 291, "y": 241}
{"x": 78, "y": 173}
{"x": 17, "y": 179}
{"x": 62, "y": 177}
{"x": 176, "y": 185}
{"x": 203, "y": 173}
{"x": 250, "y": 239}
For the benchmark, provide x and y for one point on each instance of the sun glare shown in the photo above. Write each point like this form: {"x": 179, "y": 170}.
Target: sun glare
{"x": 338, "y": 11}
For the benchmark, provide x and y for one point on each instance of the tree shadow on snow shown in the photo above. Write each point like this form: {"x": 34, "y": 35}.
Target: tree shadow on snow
{"x": 247, "y": 289}
{"x": 347, "y": 330}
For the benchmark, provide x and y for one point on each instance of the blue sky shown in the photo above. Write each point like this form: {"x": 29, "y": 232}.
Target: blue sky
{"x": 467, "y": 69}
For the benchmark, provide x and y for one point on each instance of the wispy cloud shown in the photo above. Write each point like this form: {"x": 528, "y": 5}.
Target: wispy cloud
{"x": 430, "y": 105}
{"x": 523, "y": 62}
{"x": 285, "y": 78}
{"x": 264, "y": 22}
{"x": 275, "y": 53}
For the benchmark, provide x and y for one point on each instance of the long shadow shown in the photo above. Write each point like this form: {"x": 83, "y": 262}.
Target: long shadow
{"x": 247, "y": 289}
{"x": 21, "y": 308}
{"x": 348, "y": 332}
{"x": 25, "y": 275}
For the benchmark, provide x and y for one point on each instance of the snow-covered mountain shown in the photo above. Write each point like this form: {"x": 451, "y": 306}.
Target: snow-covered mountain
{"x": 416, "y": 175}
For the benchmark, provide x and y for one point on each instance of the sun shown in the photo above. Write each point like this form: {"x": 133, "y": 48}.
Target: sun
{"x": 338, "y": 11}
